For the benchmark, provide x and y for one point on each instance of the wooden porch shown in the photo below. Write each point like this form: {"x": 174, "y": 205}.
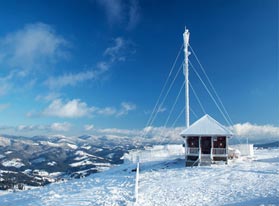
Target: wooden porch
{"x": 205, "y": 150}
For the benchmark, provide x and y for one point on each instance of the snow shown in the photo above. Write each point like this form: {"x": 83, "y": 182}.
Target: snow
{"x": 87, "y": 147}
{"x": 13, "y": 163}
{"x": 51, "y": 144}
{"x": 4, "y": 142}
{"x": 8, "y": 152}
{"x": 81, "y": 155}
{"x": 113, "y": 187}
{"x": 7, "y": 172}
{"x": 55, "y": 174}
{"x": 53, "y": 163}
{"x": 72, "y": 146}
{"x": 245, "y": 149}
{"x": 245, "y": 181}
{"x": 82, "y": 163}
{"x": 240, "y": 183}
{"x": 83, "y": 159}
{"x": 102, "y": 166}
{"x": 27, "y": 171}
{"x": 110, "y": 156}
{"x": 155, "y": 153}
{"x": 41, "y": 173}
{"x": 206, "y": 126}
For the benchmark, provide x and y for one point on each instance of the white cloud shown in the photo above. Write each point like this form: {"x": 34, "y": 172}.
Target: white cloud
{"x": 88, "y": 127}
{"x": 121, "y": 12}
{"x": 120, "y": 50}
{"x": 73, "y": 79}
{"x": 117, "y": 52}
{"x": 126, "y": 107}
{"x": 64, "y": 127}
{"x": 114, "y": 50}
{"x": 30, "y": 128}
{"x": 134, "y": 14}
{"x": 76, "y": 108}
{"x": 32, "y": 47}
{"x": 103, "y": 66}
{"x": 156, "y": 135}
{"x": 108, "y": 111}
{"x": 115, "y": 131}
{"x": 5, "y": 83}
{"x": 48, "y": 97}
{"x": 257, "y": 131}
{"x": 23, "y": 127}
{"x": 71, "y": 109}
{"x": 113, "y": 9}
{"x": 161, "y": 133}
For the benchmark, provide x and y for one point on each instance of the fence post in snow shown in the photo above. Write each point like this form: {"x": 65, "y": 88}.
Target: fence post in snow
{"x": 137, "y": 181}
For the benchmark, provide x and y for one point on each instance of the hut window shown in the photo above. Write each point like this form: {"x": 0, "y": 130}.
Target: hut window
{"x": 220, "y": 142}
{"x": 193, "y": 141}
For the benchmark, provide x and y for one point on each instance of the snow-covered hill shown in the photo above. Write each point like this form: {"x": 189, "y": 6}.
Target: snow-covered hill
{"x": 167, "y": 182}
{"x": 62, "y": 157}
{"x": 23, "y": 160}
{"x": 242, "y": 182}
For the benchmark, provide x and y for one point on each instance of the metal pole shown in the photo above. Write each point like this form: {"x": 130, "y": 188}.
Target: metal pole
{"x": 186, "y": 36}
{"x": 137, "y": 182}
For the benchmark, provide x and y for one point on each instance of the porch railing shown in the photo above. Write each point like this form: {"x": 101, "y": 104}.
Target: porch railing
{"x": 219, "y": 151}
{"x": 193, "y": 151}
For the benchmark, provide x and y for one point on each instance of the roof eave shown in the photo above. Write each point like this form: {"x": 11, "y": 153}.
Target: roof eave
{"x": 187, "y": 135}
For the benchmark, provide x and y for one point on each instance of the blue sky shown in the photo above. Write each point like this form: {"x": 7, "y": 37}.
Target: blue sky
{"x": 75, "y": 67}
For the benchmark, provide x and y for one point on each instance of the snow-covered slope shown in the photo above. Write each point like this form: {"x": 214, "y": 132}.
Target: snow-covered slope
{"x": 71, "y": 157}
{"x": 167, "y": 182}
{"x": 113, "y": 187}
{"x": 13, "y": 163}
{"x": 240, "y": 183}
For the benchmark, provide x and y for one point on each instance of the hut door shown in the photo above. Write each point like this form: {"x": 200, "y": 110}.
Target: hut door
{"x": 206, "y": 145}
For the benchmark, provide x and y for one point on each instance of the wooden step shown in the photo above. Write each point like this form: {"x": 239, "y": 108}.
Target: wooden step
{"x": 205, "y": 160}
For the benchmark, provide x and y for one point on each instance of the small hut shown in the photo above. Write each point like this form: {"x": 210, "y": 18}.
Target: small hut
{"x": 206, "y": 142}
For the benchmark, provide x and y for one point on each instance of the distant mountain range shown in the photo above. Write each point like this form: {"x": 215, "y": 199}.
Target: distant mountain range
{"x": 40, "y": 160}
{"x": 267, "y": 145}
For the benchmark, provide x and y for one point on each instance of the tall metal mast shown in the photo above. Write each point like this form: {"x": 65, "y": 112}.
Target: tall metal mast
{"x": 186, "y": 36}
